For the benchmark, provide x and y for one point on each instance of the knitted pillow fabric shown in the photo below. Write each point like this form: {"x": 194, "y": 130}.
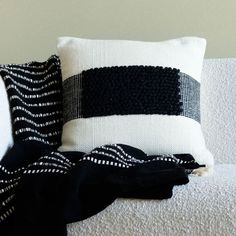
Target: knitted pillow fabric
{"x": 35, "y": 96}
{"x": 143, "y": 94}
{"x": 6, "y": 139}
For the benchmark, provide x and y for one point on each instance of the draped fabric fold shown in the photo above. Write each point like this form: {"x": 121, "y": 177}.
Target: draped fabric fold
{"x": 41, "y": 189}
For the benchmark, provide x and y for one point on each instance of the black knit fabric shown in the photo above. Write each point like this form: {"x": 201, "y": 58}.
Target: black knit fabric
{"x": 124, "y": 90}
{"x": 43, "y": 189}
{"x": 119, "y": 170}
{"x": 27, "y": 172}
{"x": 35, "y": 94}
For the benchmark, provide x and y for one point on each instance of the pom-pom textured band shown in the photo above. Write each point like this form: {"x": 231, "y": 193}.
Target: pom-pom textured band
{"x": 129, "y": 90}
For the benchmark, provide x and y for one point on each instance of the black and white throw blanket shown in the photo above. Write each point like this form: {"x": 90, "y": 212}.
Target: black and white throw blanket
{"x": 34, "y": 92}
{"x": 41, "y": 189}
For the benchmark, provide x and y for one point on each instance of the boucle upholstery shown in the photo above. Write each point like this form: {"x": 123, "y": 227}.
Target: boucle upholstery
{"x": 218, "y": 106}
{"x": 205, "y": 206}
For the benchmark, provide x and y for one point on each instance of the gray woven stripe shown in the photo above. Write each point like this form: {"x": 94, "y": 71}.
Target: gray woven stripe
{"x": 71, "y": 98}
{"x": 190, "y": 96}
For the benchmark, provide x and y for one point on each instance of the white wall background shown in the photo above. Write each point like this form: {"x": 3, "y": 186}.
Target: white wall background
{"x": 29, "y": 28}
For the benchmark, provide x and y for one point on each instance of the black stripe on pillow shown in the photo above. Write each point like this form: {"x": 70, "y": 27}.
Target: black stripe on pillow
{"x": 128, "y": 90}
{"x": 35, "y": 94}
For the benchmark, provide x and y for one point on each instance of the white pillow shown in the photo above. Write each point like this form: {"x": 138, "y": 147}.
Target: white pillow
{"x": 6, "y": 139}
{"x": 154, "y": 133}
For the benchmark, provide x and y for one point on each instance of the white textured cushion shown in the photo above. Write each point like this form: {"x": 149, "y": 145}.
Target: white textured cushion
{"x": 218, "y": 107}
{"x": 78, "y": 54}
{"x": 205, "y": 206}
{"x": 152, "y": 133}
{"x": 6, "y": 139}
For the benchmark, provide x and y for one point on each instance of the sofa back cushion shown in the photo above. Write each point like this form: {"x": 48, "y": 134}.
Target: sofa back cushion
{"x": 218, "y": 108}
{"x": 6, "y": 139}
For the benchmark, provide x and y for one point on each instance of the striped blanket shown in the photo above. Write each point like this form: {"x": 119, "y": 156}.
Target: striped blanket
{"x": 41, "y": 189}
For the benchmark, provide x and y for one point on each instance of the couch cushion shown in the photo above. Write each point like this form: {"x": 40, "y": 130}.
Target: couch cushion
{"x": 205, "y": 206}
{"x": 218, "y": 106}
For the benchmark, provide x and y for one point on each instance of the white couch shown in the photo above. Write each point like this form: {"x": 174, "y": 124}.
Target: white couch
{"x": 207, "y": 205}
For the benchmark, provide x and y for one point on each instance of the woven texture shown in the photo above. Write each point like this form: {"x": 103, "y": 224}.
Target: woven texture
{"x": 130, "y": 90}
{"x": 35, "y": 95}
{"x": 118, "y": 92}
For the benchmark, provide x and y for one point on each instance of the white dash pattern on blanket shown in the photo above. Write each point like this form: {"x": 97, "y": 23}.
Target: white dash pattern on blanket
{"x": 35, "y": 95}
{"x": 9, "y": 180}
